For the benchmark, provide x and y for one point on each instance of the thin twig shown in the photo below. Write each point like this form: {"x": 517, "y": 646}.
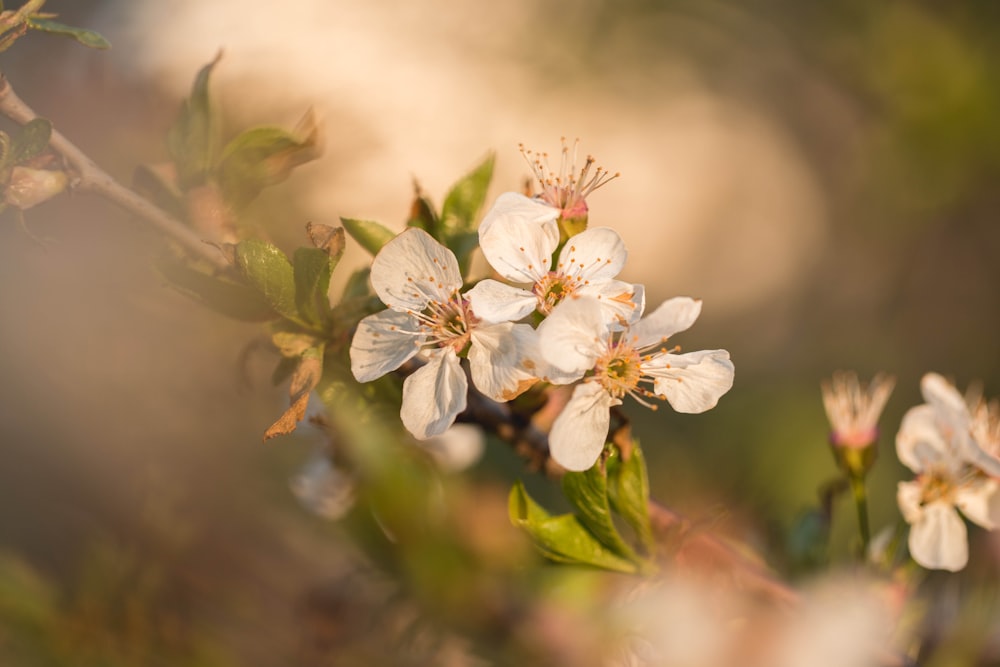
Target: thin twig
{"x": 89, "y": 177}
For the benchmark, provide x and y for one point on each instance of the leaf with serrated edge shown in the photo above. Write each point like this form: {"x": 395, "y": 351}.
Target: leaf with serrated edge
{"x": 89, "y": 38}
{"x": 561, "y": 538}
{"x": 465, "y": 199}
{"x": 269, "y": 271}
{"x": 587, "y": 491}
{"x": 192, "y": 140}
{"x": 628, "y": 493}
{"x": 370, "y": 235}
{"x": 312, "y": 269}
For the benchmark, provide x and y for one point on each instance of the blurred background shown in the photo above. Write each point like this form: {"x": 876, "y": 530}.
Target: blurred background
{"x": 822, "y": 175}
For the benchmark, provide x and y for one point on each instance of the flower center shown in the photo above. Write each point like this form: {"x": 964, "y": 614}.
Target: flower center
{"x": 618, "y": 370}
{"x": 448, "y": 323}
{"x": 552, "y": 289}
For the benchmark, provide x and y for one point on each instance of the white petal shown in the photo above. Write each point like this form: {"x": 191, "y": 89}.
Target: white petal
{"x": 518, "y": 239}
{"x": 938, "y": 541}
{"x": 324, "y": 488}
{"x": 980, "y": 502}
{"x": 596, "y": 254}
{"x": 493, "y": 301}
{"x": 673, "y": 316}
{"x": 616, "y": 297}
{"x": 639, "y": 299}
{"x": 515, "y": 206}
{"x": 919, "y": 443}
{"x": 942, "y": 395}
{"x": 497, "y": 360}
{"x": 909, "y": 495}
{"x": 574, "y": 335}
{"x": 691, "y": 382}
{"x": 382, "y": 343}
{"x": 434, "y": 395}
{"x": 581, "y": 429}
{"x": 413, "y": 269}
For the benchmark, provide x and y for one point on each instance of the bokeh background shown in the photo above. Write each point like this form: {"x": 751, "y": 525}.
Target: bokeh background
{"x": 822, "y": 175}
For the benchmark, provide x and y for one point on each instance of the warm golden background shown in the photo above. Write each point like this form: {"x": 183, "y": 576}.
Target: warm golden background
{"x": 824, "y": 175}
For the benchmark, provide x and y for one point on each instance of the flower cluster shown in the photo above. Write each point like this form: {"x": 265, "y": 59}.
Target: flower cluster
{"x": 952, "y": 450}
{"x": 590, "y": 331}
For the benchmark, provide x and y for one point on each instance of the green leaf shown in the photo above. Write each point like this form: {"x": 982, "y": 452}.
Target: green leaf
{"x": 269, "y": 271}
{"x": 588, "y": 493}
{"x": 264, "y": 156}
{"x": 192, "y": 140}
{"x": 371, "y": 235}
{"x": 29, "y": 141}
{"x": 465, "y": 199}
{"x": 86, "y": 37}
{"x": 561, "y": 538}
{"x": 312, "y": 269}
{"x": 628, "y": 493}
{"x": 229, "y": 298}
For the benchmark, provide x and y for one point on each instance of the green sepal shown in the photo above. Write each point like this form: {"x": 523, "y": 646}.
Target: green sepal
{"x": 193, "y": 139}
{"x": 232, "y": 299}
{"x": 562, "y": 538}
{"x": 370, "y": 235}
{"x": 261, "y": 157}
{"x": 358, "y": 284}
{"x": 628, "y": 493}
{"x": 312, "y": 268}
{"x": 29, "y": 141}
{"x": 269, "y": 271}
{"x": 587, "y": 491}
{"x": 87, "y": 37}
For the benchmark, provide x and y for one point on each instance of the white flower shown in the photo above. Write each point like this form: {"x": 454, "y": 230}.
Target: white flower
{"x": 518, "y": 237}
{"x": 566, "y": 190}
{"x": 577, "y": 340}
{"x": 324, "y": 488}
{"x": 457, "y": 448}
{"x": 419, "y": 280}
{"x": 853, "y": 409}
{"x": 935, "y": 441}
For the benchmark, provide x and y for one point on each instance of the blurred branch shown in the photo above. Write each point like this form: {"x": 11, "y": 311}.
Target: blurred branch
{"x": 89, "y": 177}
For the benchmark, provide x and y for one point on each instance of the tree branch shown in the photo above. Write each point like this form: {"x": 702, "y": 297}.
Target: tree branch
{"x": 87, "y": 176}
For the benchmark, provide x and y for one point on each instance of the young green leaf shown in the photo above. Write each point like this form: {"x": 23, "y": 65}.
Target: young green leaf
{"x": 465, "y": 199}
{"x": 587, "y": 491}
{"x": 229, "y": 298}
{"x": 192, "y": 140}
{"x": 422, "y": 213}
{"x": 371, "y": 235}
{"x": 269, "y": 271}
{"x": 628, "y": 493}
{"x": 86, "y": 37}
{"x": 561, "y": 538}
{"x": 312, "y": 269}
{"x": 264, "y": 156}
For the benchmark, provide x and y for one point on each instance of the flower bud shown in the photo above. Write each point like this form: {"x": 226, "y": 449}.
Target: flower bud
{"x": 29, "y": 187}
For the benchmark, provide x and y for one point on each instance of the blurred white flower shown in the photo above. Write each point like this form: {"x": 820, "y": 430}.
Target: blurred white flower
{"x": 518, "y": 237}
{"x": 457, "y": 448}
{"x": 419, "y": 280}
{"x": 840, "y": 622}
{"x": 323, "y": 488}
{"x": 936, "y": 441}
{"x": 576, "y": 338}
{"x": 854, "y": 409}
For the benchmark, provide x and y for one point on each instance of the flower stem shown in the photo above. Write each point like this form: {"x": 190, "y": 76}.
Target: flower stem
{"x": 861, "y": 502}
